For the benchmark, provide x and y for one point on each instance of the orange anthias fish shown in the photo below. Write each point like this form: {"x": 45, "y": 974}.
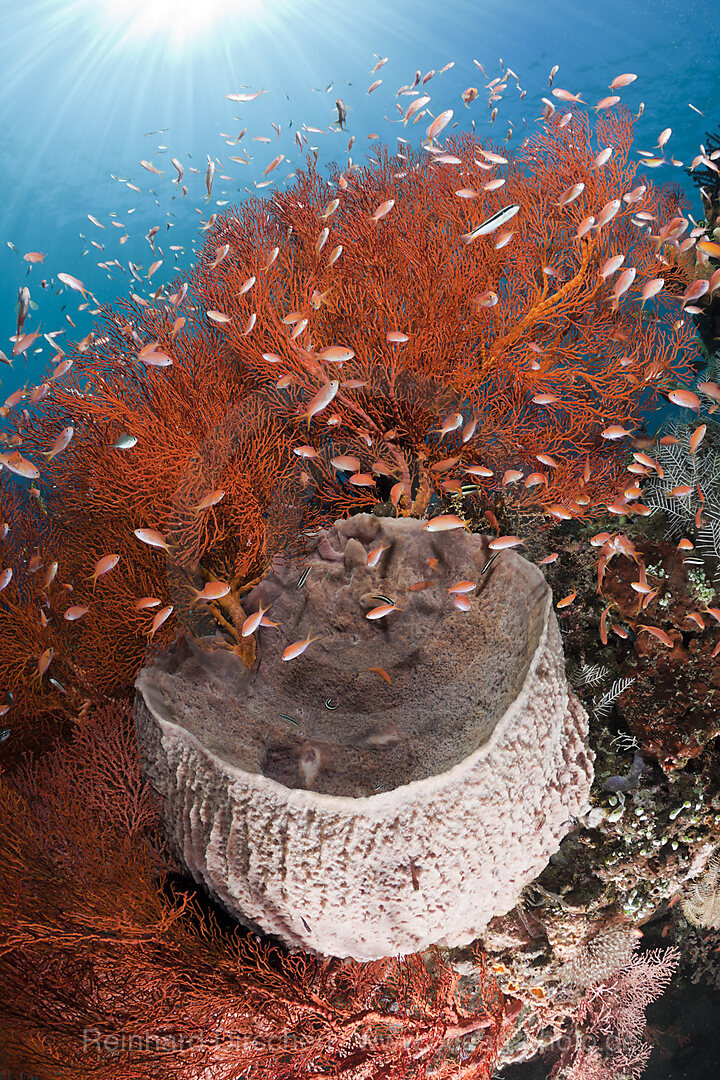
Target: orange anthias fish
{"x": 298, "y": 647}
{"x": 383, "y": 209}
{"x": 75, "y": 612}
{"x": 445, "y": 522}
{"x": 214, "y": 590}
{"x": 60, "y": 444}
{"x": 146, "y": 602}
{"x": 103, "y": 566}
{"x": 381, "y": 672}
{"x": 373, "y": 557}
{"x": 255, "y": 620}
{"x": 152, "y": 538}
{"x": 503, "y": 542}
{"x": 659, "y": 634}
{"x": 44, "y": 661}
{"x": 72, "y": 283}
{"x": 685, "y": 398}
{"x": 209, "y": 500}
{"x": 162, "y": 616}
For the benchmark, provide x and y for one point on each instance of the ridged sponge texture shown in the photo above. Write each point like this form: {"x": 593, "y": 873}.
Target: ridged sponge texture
{"x": 401, "y": 781}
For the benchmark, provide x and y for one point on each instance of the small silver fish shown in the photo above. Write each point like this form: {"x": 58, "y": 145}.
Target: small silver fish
{"x": 23, "y": 306}
{"x": 125, "y": 442}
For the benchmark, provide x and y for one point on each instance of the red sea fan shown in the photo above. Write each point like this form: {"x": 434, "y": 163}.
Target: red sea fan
{"x": 503, "y": 353}
{"x": 520, "y": 337}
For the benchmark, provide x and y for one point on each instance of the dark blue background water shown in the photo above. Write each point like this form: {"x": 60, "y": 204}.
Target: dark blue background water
{"x": 83, "y": 80}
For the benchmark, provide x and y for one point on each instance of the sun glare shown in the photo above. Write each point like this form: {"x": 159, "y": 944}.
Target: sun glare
{"x": 179, "y": 21}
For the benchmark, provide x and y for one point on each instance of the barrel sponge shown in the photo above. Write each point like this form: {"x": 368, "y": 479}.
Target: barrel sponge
{"x": 402, "y": 780}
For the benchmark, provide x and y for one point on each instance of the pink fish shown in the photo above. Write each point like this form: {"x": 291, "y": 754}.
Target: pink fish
{"x": 711, "y": 389}
{"x": 23, "y": 343}
{"x": 511, "y": 476}
{"x": 622, "y": 285}
{"x": 381, "y": 611}
{"x": 570, "y": 195}
{"x": 450, "y": 423}
{"x": 584, "y": 227}
{"x": 62, "y": 441}
{"x": 209, "y": 500}
{"x": 621, "y": 80}
{"x": 245, "y": 97}
{"x": 73, "y": 283}
{"x": 336, "y": 354}
{"x": 615, "y": 432}
{"x": 487, "y": 299}
{"x": 146, "y": 602}
{"x": 321, "y": 400}
{"x": 610, "y": 265}
{"x": 503, "y": 542}
{"x": 75, "y": 612}
{"x": 439, "y": 123}
{"x": 685, "y": 398}
{"x": 252, "y": 622}
{"x": 44, "y": 661}
{"x": 462, "y": 587}
{"x": 103, "y": 566}
{"x": 152, "y": 538}
{"x": 373, "y": 557}
{"x": 695, "y": 290}
{"x": 565, "y": 95}
{"x": 298, "y": 647}
{"x": 445, "y": 522}
{"x": 346, "y": 462}
{"x": 213, "y": 590}
{"x": 652, "y": 288}
{"x": 607, "y": 213}
{"x": 19, "y": 465}
{"x": 162, "y": 616}
{"x": 697, "y": 437}
{"x": 603, "y": 157}
{"x": 274, "y": 164}
{"x": 155, "y": 358}
{"x": 383, "y": 209}
{"x": 469, "y": 430}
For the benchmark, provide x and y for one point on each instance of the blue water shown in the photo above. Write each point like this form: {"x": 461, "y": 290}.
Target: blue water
{"x": 83, "y": 80}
